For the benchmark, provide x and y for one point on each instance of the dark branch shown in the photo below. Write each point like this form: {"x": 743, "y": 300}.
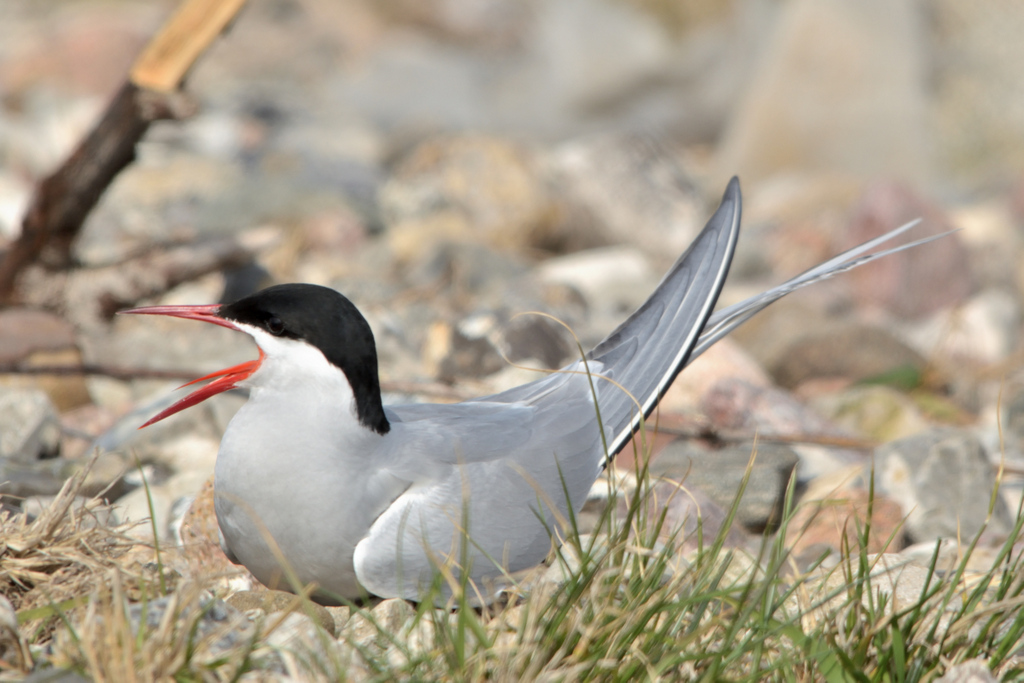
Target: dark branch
{"x": 63, "y": 200}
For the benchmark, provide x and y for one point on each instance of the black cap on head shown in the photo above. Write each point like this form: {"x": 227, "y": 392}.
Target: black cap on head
{"x": 327, "y": 320}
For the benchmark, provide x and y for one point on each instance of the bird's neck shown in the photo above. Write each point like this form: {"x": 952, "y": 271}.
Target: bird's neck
{"x": 305, "y": 389}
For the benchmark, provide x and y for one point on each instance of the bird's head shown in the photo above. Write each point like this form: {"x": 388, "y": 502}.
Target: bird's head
{"x": 291, "y": 324}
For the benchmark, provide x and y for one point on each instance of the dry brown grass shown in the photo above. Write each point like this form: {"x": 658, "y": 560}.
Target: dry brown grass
{"x": 53, "y": 563}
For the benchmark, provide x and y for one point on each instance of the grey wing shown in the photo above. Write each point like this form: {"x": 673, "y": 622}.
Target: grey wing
{"x": 634, "y": 366}
{"x": 644, "y": 354}
{"x": 502, "y": 481}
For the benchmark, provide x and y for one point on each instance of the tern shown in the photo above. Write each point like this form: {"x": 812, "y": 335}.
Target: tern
{"x": 367, "y": 499}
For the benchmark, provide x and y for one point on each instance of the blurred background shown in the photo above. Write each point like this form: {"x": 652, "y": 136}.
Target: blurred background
{"x": 450, "y": 163}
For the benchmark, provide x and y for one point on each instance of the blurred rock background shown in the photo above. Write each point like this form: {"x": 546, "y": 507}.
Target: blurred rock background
{"x": 450, "y": 164}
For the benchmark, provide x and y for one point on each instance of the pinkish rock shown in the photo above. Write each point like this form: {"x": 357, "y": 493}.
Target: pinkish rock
{"x": 724, "y": 360}
{"x": 737, "y": 405}
{"x": 912, "y": 283}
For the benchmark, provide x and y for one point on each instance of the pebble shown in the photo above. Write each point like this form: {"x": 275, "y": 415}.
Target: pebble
{"x": 29, "y": 426}
{"x": 219, "y": 626}
{"x": 612, "y": 281}
{"x": 944, "y": 481}
{"x": 134, "y": 508}
{"x": 718, "y": 473}
{"x": 485, "y": 343}
{"x": 725, "y": 360}
{"x": 622, "y": 189}
{"x": 46, "y": 477}
{"x": 13, "y": 652}
{"x": 983, "y": 331}
{"x": 787, "y": 121}
{"x": 387, "y": 617}
{"x": 85, "y": 509}
{"x": 271, "y": 602}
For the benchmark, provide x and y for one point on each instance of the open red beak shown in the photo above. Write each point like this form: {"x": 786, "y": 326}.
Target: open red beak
{"x": 223, "y": 379}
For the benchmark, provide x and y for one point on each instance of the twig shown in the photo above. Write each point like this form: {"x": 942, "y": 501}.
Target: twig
{"x": 63, "y": 200}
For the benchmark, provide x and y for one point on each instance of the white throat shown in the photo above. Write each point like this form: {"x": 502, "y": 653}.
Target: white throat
{"x": 297, "y": 381}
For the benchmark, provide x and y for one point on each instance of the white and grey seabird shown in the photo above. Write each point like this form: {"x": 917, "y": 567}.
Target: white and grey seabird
{"x": 364, "y": 498}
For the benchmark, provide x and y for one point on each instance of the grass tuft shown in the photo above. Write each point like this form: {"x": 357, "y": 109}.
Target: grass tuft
{"x": 634, "y": 600}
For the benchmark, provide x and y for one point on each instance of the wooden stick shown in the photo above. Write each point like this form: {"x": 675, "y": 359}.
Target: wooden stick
{"x": 63, "y": 200}
{"x": 167, "y": 58}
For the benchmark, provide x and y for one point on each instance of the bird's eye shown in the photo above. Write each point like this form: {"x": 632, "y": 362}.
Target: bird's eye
{"x": 275, "y": 326}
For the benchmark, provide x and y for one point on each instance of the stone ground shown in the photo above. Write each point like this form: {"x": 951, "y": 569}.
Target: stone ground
{"x": 449, "y": 165}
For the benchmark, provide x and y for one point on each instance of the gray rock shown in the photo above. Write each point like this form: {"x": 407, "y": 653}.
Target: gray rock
{"x": 24, "y": 331}
{"x": 467, "y": 187}
{"x": 892, "y": 578}
{"x": 206, "y": 420}
{"x": 34, "y": 338}
{"x": 595, "y": 51}
{"x": 466, "y": 270}
{"x": 624, "y": 190}
{"x": 29, "y": 426}
{"x": 594, "y": 64}
{"x": 1012, "y": 418}
{"x": 12, "y": 649}
{"x": 302, "y": 650}
{"x": 485, "y": 343}
{"x": 944, "y": 480}
{"x": 134, "y": 507}
{"x": 569, "y": 561}
{"x": 390, "y": 616}
{"x": 734, "y": 404}
{"x": 613, "y": 281}
{"x": 719, "y": 473}
{"x": 688, "y": 509}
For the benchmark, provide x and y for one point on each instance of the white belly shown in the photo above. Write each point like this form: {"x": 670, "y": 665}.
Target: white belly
{"x": 286, "y": 493}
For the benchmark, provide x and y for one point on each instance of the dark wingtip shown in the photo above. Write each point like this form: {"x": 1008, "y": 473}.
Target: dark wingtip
{"x": 732, "y": 191}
